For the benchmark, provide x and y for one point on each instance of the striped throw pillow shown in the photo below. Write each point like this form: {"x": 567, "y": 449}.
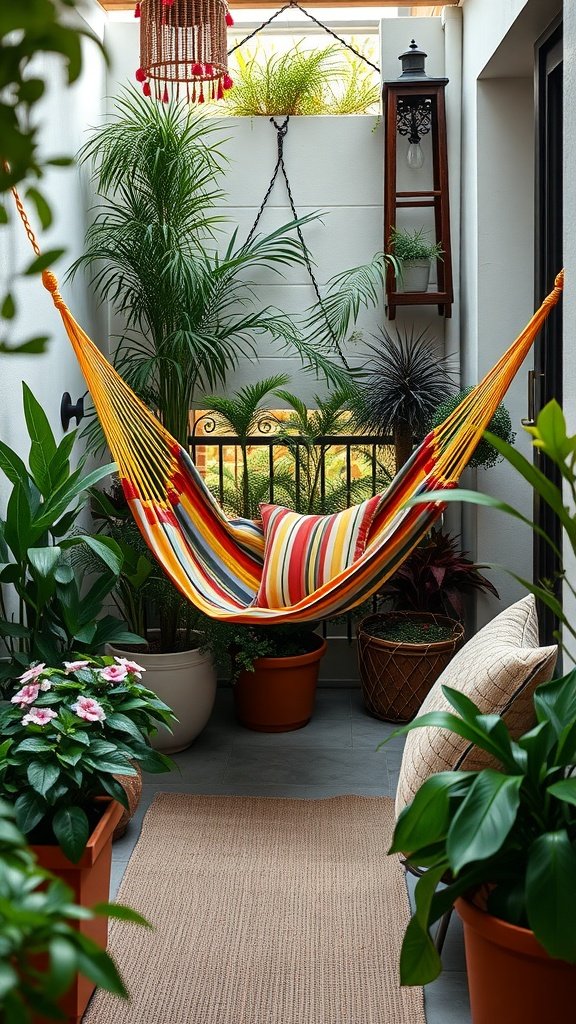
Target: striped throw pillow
{"x": 302, "y": 552}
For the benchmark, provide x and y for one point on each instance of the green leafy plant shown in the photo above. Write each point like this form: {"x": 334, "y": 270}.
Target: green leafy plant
{"x": 144, "y": 596}
{"x": 485, "y": 456}
{"x": 40, "y": 949}
{"x": 509, "y": 832}
{"x": 26, "y": 31}
{"x": 65, "y": 734}
{"x": 153, "y": 252}
{"x": 239, "y": 646}
{"x": 403, "y": 382}
{"x": 55, "y": 613}
{"x": 301, "y": 81}
{"x": 414, "y": 245}
{"x": 436, "y": 577}
{"x": 550, "y": 437}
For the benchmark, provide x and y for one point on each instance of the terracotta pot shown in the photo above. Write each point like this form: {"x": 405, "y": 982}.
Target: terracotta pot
{"x": 89, "y": 880}
{"x": 279, "y": 695}
{"x": 186, "y": 682}
{"x": 511, "y": 978}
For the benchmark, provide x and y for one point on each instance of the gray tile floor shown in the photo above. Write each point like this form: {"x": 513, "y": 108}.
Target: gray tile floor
{"x": 335, "y": 753}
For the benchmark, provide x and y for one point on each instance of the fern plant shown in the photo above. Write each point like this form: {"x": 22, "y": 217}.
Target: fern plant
{"x": 301, "y": 81}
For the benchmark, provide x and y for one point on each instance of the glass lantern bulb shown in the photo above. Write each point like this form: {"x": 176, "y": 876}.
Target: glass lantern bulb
{"x": 415, "y": 156}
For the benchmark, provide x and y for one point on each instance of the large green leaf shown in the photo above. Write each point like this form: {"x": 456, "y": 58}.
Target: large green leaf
{"x": 12, "y": 466}
{"x": 30, "y": 810}
{"x": 483, "y": 821}
{"x": 71, "y": 828}
{"x": 551, "y": 894}
{"x": 99, "y": 967}
{"x": 44, "y": 560}
{"x": 104, "y": 547}
{"x": 42, "y": 776}
{"x": 555, "y": 702}
{"x": 42, "y": 443}
{"x": 419, "y": 959}
{"x": 62, "y": 965}
{"x": 564, "y": 790}
{"x": 425, "y": 820}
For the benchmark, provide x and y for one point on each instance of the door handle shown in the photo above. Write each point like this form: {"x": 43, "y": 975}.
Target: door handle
{"x": 530, "y": 420}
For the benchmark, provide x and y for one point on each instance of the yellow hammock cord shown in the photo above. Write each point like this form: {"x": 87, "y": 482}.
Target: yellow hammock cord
{"x": 145, "y": 451}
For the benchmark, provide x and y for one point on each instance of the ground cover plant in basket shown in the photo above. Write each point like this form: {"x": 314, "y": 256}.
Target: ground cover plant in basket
{"x": 65, "y": 734}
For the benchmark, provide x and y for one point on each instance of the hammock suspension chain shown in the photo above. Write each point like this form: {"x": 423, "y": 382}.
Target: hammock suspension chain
{"x": 281, "y": 132}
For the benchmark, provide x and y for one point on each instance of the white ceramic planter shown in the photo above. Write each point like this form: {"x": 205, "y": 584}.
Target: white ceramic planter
{"x": 415, "y": 276}
{"x": 186, "y": 682}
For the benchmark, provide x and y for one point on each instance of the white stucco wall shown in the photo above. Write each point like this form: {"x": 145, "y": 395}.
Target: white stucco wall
{"x": 335, "y": 166}
{"x": 498, "y": 244}
{"x": 62, "y": 114}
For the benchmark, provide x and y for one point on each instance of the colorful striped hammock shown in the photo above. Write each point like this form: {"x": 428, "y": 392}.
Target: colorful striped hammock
{"x": 217, "y": 563}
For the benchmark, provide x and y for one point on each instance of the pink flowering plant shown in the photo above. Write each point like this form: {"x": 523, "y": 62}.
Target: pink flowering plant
{"x": 64, "y": 736}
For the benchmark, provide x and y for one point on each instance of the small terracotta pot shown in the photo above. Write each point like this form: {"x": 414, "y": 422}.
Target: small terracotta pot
{"x": 278, "y": 696}
{"x": 89, "y": 880}
{"x": 511, "y": 978}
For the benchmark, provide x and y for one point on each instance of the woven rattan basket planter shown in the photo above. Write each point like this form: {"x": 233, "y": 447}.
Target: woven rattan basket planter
{"x": 396, "y": 676}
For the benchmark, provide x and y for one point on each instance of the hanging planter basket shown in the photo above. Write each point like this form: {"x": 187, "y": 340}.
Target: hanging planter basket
{"x": 183, "y": 44}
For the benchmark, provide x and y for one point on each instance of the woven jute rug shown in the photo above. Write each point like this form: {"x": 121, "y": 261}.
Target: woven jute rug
{"x": 265, "y": 911}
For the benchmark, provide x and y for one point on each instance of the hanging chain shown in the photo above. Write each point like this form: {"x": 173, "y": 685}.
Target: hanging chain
{"x": 281, "y": 132}
{"x": 329, "y": 31}
{"x": 260, "y": 27}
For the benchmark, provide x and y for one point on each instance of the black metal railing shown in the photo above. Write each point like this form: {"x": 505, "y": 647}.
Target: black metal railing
{"x": 326, "y": 473}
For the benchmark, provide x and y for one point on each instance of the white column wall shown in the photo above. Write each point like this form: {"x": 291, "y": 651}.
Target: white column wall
{"x": 63, "y": 115}
{"x": 335, "y": 166}
{"x": 497, "y": 246}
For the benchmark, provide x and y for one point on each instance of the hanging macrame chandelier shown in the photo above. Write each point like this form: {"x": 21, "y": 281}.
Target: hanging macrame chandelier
{"x": 183, "y": 44}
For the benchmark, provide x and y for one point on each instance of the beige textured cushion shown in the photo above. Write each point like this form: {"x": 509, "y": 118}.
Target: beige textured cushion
{"x": 498, "y": 669}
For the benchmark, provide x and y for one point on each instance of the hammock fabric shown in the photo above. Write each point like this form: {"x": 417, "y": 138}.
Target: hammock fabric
{"x": 217, "y": 563}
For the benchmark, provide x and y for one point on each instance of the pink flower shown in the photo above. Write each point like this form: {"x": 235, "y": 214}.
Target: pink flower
{"x": 131, "y": 666}
{"x": 114, "y": 673}
{"x": 75, "y": 666}
{"x": 45, "y": 684}
{"x": 32, "y": 673}
{"x": 39, "y": 716}
{"x": 27, "y": 695}
{"x": 89, "y": 709}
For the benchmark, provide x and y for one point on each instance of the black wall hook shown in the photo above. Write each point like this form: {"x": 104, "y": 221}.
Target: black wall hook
{"x": 68, "y": 411}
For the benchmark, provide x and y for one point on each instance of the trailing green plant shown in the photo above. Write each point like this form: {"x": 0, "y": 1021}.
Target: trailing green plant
{"x": 301, "y": 81}
{"x": 550, "y": 437}
{"x": 55, "y": 613}
{"x": 40, "y": 949}
{"x": 239, "y": 646}
{"x": 510, "y": 832}
{"x": 403, "y": 382}
{"x": 414, "y": 245}
{"x": 66, "y": 733}
{"x": 485, "y": 456}
{"x": 436, "y": 577}
{"x": 153, "y": 252}
{"x": 144, "y": 595}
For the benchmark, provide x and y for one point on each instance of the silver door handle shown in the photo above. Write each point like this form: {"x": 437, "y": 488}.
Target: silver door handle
{"x": 530, "y": 420}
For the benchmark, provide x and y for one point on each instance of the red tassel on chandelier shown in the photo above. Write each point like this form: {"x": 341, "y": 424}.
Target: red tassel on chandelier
{"x": 184, "y": 42}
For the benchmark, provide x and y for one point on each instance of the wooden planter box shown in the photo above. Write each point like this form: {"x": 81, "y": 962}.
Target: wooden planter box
{"x": 89, "y": 880}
